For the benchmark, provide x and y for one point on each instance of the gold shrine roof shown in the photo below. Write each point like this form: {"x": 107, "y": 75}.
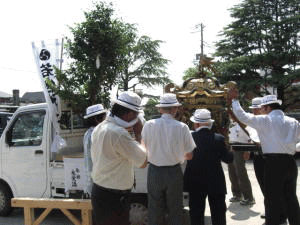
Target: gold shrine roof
{"x": 193, "y": 87}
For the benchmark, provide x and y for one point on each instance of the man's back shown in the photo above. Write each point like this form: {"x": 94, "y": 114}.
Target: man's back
{"x": 116, "y": 152}
{"x": 281, "y": 129}
{"x": 205, "y": 168}
{"x": 166, "y": 140}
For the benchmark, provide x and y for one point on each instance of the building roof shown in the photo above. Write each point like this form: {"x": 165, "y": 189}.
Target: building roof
{"x": 33, "y": 97}
{"x": 5, "y": 95}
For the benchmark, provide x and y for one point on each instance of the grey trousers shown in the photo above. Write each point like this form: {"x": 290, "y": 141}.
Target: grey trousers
{"x": 240, "y": 183}
{"x": 165, "y": 195}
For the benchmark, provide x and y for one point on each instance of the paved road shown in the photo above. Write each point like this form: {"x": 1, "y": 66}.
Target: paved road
{"x": 236, "y": 214}
{"x": 248, "y": 215}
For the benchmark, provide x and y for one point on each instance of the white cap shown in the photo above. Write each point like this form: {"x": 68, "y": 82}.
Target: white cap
{"x": 168, "y": 100}
{"x": 94, "y": 110}
{"x": 270, "y": 99}
{"x": 256, "y": 103}
{"x": 129, "y": 100}
{"x": 201, "y": 116}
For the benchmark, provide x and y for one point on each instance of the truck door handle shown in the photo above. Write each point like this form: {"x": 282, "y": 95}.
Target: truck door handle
{"x": 38, "y": 152}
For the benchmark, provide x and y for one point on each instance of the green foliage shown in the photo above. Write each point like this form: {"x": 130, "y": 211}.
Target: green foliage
{"x": 99, "y": 36}
{"x": 150, "y": 110}
{"x": 143, "y": 64}
{"x": 122, "y": 57}
{"x": 261, "y": 46}
{"x": 190, "y": 73}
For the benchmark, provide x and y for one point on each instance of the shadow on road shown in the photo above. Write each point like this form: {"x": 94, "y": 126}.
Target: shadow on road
{"x": 241, "y": 212}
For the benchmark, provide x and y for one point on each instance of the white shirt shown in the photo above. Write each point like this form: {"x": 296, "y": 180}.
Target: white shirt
{"x": 114, "y": 153}
{"x": 298, "y": 147}
{"x": 278, "y": 133}
{"x": 88, "y": 165}
{"x": 237, "y": 134}
{"x": 166, "y": 140}
{"x": 87, "y": 149}
{"x": 253, "y": 134}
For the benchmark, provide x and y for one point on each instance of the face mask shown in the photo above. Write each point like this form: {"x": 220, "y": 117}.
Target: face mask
{"x": 124, "y": 123}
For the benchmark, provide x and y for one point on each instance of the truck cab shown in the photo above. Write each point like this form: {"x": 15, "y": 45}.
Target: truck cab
{"x": 29, "y": 168}
{"x": 24, "y": 155}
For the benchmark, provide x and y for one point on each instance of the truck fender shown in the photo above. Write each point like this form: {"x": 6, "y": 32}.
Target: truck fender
{"x": 9, "y": 185}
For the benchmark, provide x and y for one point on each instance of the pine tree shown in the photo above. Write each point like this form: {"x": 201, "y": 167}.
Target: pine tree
{"x": 261, "y": 46}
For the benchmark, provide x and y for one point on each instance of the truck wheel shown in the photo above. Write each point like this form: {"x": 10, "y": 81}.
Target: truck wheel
{"x": 5, "y": 200}
{"x": 138, "y": 210}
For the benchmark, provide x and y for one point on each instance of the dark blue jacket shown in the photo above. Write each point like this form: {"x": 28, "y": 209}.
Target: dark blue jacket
{"x": 204, "y": 172}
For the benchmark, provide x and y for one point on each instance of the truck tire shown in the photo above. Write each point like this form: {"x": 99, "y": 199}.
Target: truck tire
{"x": 5, "y": 200}
{"x": 138, "y": 209}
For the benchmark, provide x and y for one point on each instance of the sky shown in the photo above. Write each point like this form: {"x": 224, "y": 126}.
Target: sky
{"x": 24, "y": 22}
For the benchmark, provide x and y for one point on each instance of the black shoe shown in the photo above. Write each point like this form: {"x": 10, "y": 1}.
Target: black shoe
{"x": 248, "y": 202}
{"x": 235, "y": 199}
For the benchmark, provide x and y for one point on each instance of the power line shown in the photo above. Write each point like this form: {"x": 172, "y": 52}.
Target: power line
{"x": 17, "y": 70}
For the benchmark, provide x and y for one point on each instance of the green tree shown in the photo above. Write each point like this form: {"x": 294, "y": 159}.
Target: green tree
{"x": 101, "y": 39}
{"x": 193, "y": 72}
{"x": 97, "y": 53}
{"x": 190, "y": 73}
{"x": 150, "y": 110}
{"x": 261, "y": 46}
{"x": 143, "y": 65}
{"x": 105, "y": 51}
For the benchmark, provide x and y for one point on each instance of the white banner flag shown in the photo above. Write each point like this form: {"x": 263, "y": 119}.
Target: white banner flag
{"x": 47, "y": 55}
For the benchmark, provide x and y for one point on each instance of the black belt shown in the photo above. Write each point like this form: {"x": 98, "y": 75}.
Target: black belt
{"x": 164, "y": 166}
{"x": 116, "y": 191}
{"x": 277, "y": 155}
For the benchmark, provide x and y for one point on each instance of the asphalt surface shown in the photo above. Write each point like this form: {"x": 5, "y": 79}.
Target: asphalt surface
{"x": 236, "y": 213}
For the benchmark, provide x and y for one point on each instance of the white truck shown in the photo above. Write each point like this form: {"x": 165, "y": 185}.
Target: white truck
{"x": 28, "y": 168}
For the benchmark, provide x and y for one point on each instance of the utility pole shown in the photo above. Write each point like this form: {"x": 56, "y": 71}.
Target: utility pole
{"x": 201, "y": 26}
{"x": 202, "y": 52}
